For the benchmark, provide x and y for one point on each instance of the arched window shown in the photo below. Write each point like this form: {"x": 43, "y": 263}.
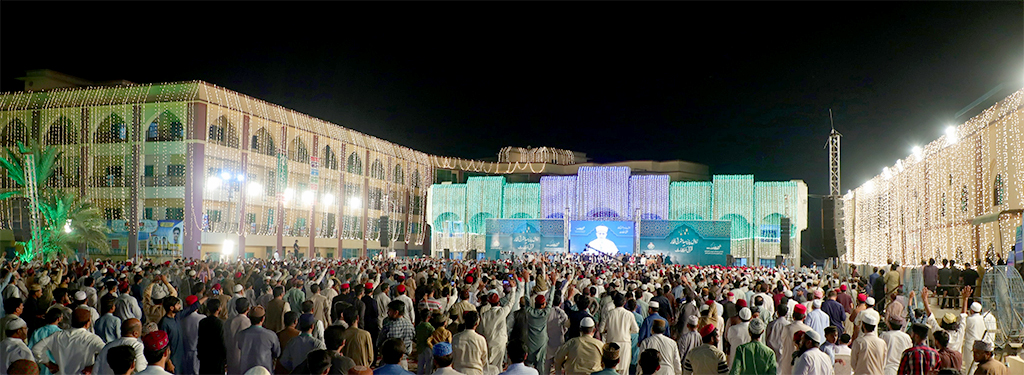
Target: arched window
{"x": 355, "y": 164}
{"x": 398, "y": 177}
{"x": 61, "y": 132}
{"x": 415, "y": 178}
{"x": 999, "y": 191}
{"x": 223, "y": 132}
{"x": 297, "y": 151}
{"x": 112, "y": 129}
{"x": 14, "y": 132}
{"x": 377, "y": 170}
{"x": 329, "y": 159}
{"x": 263, "y": 143}
{"x": 166, "y": 127}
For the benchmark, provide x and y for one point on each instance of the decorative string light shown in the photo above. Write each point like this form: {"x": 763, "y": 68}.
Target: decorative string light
{"x": 924, "y": 206}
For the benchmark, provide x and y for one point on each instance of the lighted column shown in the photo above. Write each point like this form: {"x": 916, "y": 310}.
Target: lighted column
{"x": 281, "y": 152}
{"x": 195, "y": 154}
{"x": 314, "y": 170}
{"x": 342, "y": 199}
{"x": 243, "y": 192}
{"x": 132, "y": 222}
{"x": 84, "y": 172}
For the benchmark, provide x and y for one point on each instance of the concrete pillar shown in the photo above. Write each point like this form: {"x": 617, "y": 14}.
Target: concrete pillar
{"x": 314, "y": 162}
{"x": 195, "y": 155}
{"x": 135, "y": 191}
{"x": 366, "y": 201}
{"x": 342, "y": 194}
{"x": 279, "y": 212}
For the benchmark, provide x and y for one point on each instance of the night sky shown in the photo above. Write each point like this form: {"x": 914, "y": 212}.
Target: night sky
{"x": 744, "y": 88}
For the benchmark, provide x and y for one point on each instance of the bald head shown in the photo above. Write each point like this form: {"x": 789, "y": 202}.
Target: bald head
{"x": 131, "y": 328}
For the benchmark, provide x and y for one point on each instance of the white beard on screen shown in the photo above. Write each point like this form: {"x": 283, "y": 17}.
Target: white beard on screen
{"x": 602, "y": 245}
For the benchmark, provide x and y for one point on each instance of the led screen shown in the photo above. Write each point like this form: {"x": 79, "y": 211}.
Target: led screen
{"x": 606, "y": 237}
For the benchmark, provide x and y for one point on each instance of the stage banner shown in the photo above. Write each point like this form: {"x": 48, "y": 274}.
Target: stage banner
{"x": 517, "y": 236}
{"x": 602, "y": 237}
{"x": 687, "y": 242}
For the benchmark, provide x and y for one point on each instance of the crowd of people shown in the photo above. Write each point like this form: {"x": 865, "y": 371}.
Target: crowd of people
{"x": 561, "y": 314}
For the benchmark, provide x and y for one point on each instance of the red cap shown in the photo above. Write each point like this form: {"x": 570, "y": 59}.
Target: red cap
{"x": 707, "y": 330}
{"x": 156, "y": 340}
{"x": 216, "y": 286}
{"x": 493, "y": 298}
{"x": 709, "y": 302}
{"x": 842, "y": 288}
{"x": 238, "y": 275}
{"x": 344, "y": 286}
{"x": 861, "y": 297}
{"x": 129, "y": 264}
{"x": 331, "y": 272}
{"x": 730, "y": 294}
{"x": 540, "y": 299}
{"x": 741, "y": 303}
{"x": 191, "y": 300}
{"x": 401, "y": 288}
{"x": 167, "y": 263}
{"x": 800, "y": 309}
{"x": 368, "y": 286}
{"x": 799, "y": 335}
{"x": 469, "y": 279}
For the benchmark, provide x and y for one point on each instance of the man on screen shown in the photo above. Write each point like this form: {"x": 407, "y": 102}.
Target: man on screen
{"x": 601, "y": 243}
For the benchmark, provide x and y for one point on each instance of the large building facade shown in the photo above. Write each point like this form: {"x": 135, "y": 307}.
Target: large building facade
{"x": 190, "y": 169}
{"x": 959, "y": 197}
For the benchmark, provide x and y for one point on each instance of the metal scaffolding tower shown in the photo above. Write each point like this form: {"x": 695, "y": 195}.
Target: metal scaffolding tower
{"x": 833, "y": 159}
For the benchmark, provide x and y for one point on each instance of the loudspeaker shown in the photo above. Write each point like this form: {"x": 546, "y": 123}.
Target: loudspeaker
{"x": 427, "y": 238}
{"x": 832, "y": 237}
{"x": 784, "y": 235}
{"x": 21, "y": 216}
{"x": 447, "y": 254}
{"x": 729, "y": 260}
{"x": 471, "y": 255}
{"x": 385, "y": 234}
{"x": 779, "y": 260}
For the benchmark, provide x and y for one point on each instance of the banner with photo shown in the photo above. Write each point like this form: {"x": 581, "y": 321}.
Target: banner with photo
{"x": 516, "y": 236}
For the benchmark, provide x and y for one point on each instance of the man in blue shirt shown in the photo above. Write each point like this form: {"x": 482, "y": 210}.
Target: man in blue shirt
{"x": 392, "y": 352}
{"x": 517, "y": 354}
{"x": 645, "y": 329}
{"x": 610, "y": 359}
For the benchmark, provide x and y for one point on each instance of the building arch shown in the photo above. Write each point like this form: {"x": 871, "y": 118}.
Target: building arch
{"x": 14, "y": 132}
{"x": 297, "y": 151}
{"x": 740, "y": 226}
{"x": 354, "y": 164}
{"x": 263, "y": 142}
{"x": 329, "y": 159}
{"x": 166, "y": 127}
{"x": 223, "y": 132}
{"x": 61, "y": 132}
{"x": 397, "y": 176}
{"x": 415, "y": 178}
{"x": 113, "y": 129}
{"x": 377, "y": 170}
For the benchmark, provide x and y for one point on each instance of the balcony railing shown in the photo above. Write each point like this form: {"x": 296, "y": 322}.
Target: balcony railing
{"x": 158, "y": 181}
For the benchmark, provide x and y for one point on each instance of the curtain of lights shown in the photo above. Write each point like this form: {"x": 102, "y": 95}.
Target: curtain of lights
{"x": 923, "y": 206}
{"x": 691, "y": 200}
{"x": 521, "y": 201}
{"x": 557, "y": 194}
{"x": 649, "y": 194}
{"x": 773, "y": 201}
{"x": 734, "y": 201}
{"x": 603, "y": 192}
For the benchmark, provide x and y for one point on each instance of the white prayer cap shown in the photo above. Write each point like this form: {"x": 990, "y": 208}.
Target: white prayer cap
{"x": 44, "y": 280}
{"x": 745, "y": 314}
{"x": 655, "y": 304}
{"x": 814, "y": 336}
{"x": 982, "y": 345}
{"x": 587, "y": 322}
{"x": 976, "y": 307}
{"x": 157, "y": 272}
{"x": 691, "y": 320}
{"x": 16, "y": 323}
{"x": 870, "y": 317}
{"x": 80, "y": 296}
{"x": 192, "y": 273}
{"x": 756, "y": 326}
{"x": 137, "y": 269}
{"x": 788, "y": 294}
{"x": 258, "y": 370}
{"x": 238, "y": 288}
{"x": 817, "y": 303}
{"x": 870, "y": 301}
{"x": 643, "y": 287}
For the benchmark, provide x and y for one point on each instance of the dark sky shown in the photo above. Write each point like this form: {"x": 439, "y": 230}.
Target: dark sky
{"x": 741, "y": 87}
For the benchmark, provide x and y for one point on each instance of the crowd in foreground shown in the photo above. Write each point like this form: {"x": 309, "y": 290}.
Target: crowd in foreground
{"x": 564, "y": 314}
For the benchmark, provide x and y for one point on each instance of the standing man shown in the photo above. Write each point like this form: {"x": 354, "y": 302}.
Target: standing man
{"x": 210, "y": 349}
{"x": 298, "y": 347}
{"x": 776, "y": 330}
{"x": 987, "y": 364}
{"x": 358, "y": 342}
{"x": 919, "y": 359}
{"x": 13, "y": 347}
{"x": 396, "y": 326}
{"x": 371, "y": 316}
{"x": 581, "y": 355}
{"x": 788, "y": 347}
{"x": 669, "y": 358}
{"x": 257, "y": 345}
{"x": 616, "y": 327}
{"x": 276, "y": 308}
{"x": 231, "y": 341}
{"x": 131, "y": 330}
{"x": 321, "y": 305}
{"x": 652, "y": 315}
{"x": 896, "y": 341}
{"x": 867, "y": 354}
{"x": 469, "y": 348}
{"x": 754, "y": 357}
{"x": 835, "y": 311}
{"x": 190, "y": 335}
{"x": 72, "y": 349}
{"x": 813, "y": 361}
{"x": 707, "y": 358}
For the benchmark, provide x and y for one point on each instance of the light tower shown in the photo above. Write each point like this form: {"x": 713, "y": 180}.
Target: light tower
{"x": 833, "y": 159}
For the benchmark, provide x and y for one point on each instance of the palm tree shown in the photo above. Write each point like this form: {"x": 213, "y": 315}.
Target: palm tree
{"x": 67, "y": 220}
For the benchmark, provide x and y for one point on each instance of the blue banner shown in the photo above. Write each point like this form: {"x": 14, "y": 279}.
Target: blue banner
{"x": 687, "y": 242}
